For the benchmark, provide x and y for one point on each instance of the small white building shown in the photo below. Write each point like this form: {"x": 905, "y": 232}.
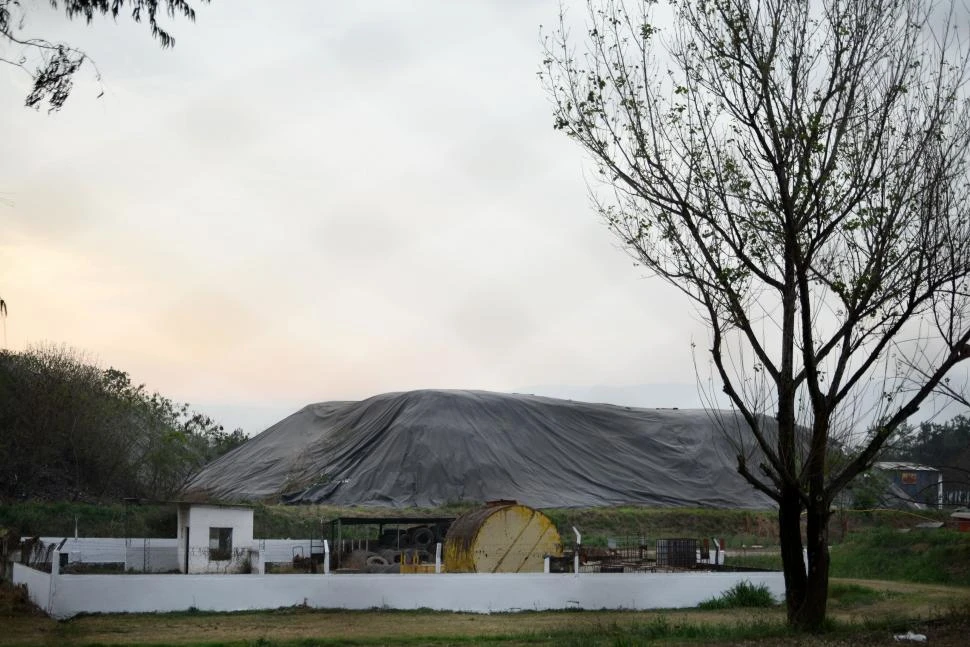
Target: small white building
{"x": 214, "y": 538}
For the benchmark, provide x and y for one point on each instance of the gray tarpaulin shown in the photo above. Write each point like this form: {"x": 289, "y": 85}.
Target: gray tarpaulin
{"x": 427, "y": 448}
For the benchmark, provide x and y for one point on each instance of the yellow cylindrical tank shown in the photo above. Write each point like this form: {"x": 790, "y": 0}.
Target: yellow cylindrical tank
{"x": 503, "y": 537}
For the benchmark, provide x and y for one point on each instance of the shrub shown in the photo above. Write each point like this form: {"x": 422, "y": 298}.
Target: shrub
{"x": 744, "y": 594}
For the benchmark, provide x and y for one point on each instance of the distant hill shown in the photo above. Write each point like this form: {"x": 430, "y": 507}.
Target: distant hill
{"x": 428, "y": 448}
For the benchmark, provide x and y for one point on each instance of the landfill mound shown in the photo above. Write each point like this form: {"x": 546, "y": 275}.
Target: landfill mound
{"x": 434, "y": 447}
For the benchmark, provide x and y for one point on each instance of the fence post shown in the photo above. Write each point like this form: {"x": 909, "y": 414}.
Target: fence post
{"x": 55, "y": 576}
{"x": 326, "y": 557}
{"x": 437, "y": 558}
{"x": 579, "y": 543}
{"x": 261, "y": 558}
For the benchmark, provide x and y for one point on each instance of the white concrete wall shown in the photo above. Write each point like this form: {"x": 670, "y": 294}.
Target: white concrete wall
{"x": 199, "y": 519}
{"x": 103, "y": 550}
{"x": 38, "y": 584}
{"x": 282, "y": 550}
{"x": 480, "y": 593}
{"x": 152, "y": 556}
{"x": 91, "y": 550}
{"x": 156, "y": 555}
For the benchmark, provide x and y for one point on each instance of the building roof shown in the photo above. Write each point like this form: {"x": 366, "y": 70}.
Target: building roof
{"x": 215, "y": 504}
{"x": 906, "y": 467}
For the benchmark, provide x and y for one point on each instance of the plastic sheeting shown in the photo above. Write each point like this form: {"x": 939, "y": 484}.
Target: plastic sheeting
{"x": 428, "y": 448}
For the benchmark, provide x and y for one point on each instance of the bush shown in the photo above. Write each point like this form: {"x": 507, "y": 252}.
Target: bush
{"x": 744, "y": 594}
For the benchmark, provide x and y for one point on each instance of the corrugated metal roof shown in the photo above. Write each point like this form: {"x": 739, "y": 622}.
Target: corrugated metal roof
{"x": 908, "y": 467}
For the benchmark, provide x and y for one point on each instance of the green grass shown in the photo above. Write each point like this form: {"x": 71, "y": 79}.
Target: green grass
{"x": 743, "y": 595}
{"x": 662, "y": 630}
{"x": 658, "y": 631}
{"x": 927, "y": 556}
{"x": 765, "y": 561}
{"x": 853, "y": 596}
{"x": 923, "y": 556}
{"x": 57, "y": 519}
{"x": 599, "y": 524}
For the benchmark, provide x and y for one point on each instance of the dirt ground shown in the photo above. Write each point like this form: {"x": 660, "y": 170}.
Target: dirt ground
{"x": 21, "y": 627}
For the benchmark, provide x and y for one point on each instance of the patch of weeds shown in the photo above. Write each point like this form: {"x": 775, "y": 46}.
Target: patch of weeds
{"x": 14, "y": 601}
{"x": 854, "y": 595}
{"x": 661, "y": 630}
{"x": 742, "y": 595}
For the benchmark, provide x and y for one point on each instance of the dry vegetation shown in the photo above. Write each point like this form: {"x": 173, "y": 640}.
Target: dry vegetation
{"x": 873, "y": 612}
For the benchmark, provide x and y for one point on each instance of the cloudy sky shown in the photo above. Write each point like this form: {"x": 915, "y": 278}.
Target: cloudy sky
{"x": 308, "y": 201}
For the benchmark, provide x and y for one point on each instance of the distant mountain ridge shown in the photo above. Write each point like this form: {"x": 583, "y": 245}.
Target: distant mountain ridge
{"x": 432, "y": 447}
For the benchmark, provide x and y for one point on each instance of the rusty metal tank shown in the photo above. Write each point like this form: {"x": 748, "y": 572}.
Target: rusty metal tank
{"x": 502, "y": 537}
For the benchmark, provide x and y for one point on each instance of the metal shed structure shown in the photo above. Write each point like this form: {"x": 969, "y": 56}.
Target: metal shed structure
{"x": 394, "y": 533}
{"x": 921, "y": 483}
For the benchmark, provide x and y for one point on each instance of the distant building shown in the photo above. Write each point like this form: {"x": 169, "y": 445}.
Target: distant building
{"x": 920, "y": 483}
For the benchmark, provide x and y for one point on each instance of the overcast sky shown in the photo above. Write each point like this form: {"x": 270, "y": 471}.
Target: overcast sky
{"x": 308, "y": 201}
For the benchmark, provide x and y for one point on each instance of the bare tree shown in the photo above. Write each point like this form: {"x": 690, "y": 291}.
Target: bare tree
{"x": 799, "y": 170}
{"x": 51, "y": 65}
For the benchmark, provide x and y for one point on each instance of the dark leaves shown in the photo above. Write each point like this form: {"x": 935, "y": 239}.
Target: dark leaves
{"x": 54, "y": 80}
{"x": 53, "y": 76}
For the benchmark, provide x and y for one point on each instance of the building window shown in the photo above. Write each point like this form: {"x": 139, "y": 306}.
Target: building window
{"x": 220, "y": 544}
{"x": 908, "y": 478}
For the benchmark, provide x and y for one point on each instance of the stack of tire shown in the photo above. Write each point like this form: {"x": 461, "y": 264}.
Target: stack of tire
{"x": 412, "y": 546}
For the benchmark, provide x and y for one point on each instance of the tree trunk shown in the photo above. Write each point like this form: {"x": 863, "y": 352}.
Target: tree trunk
{"x": 790, "y": 537}
{"x": 808, "y": 614}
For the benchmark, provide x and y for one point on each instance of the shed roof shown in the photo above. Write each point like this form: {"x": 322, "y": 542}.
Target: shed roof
{"x": 214, "y": 504}
{"x": 908, "y": 467}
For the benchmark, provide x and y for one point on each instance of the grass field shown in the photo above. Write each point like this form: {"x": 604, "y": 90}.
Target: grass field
{"x": 863, "y": 612}
{"x": 929, "y": 556}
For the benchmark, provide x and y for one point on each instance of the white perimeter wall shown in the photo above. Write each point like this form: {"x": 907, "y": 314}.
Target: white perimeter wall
{"x": 480, "y": 593}
{"x": 161, "y": 555}
{"x": 151, "y": 555}
{"x": 38, "y": 584}
{"x": 97, "y": 550}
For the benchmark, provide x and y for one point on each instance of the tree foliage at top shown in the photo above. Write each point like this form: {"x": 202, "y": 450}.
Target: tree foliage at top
{"x": 51, "y": 65}
{"x": 935, "y": 444}
{"x": 71, "y": 430}
{"x": 945, "y": 446}
{"x": 799, "y": 170}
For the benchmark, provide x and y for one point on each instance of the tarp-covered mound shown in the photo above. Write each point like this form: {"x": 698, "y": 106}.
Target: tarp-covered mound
{"x": 428, "y": 448}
